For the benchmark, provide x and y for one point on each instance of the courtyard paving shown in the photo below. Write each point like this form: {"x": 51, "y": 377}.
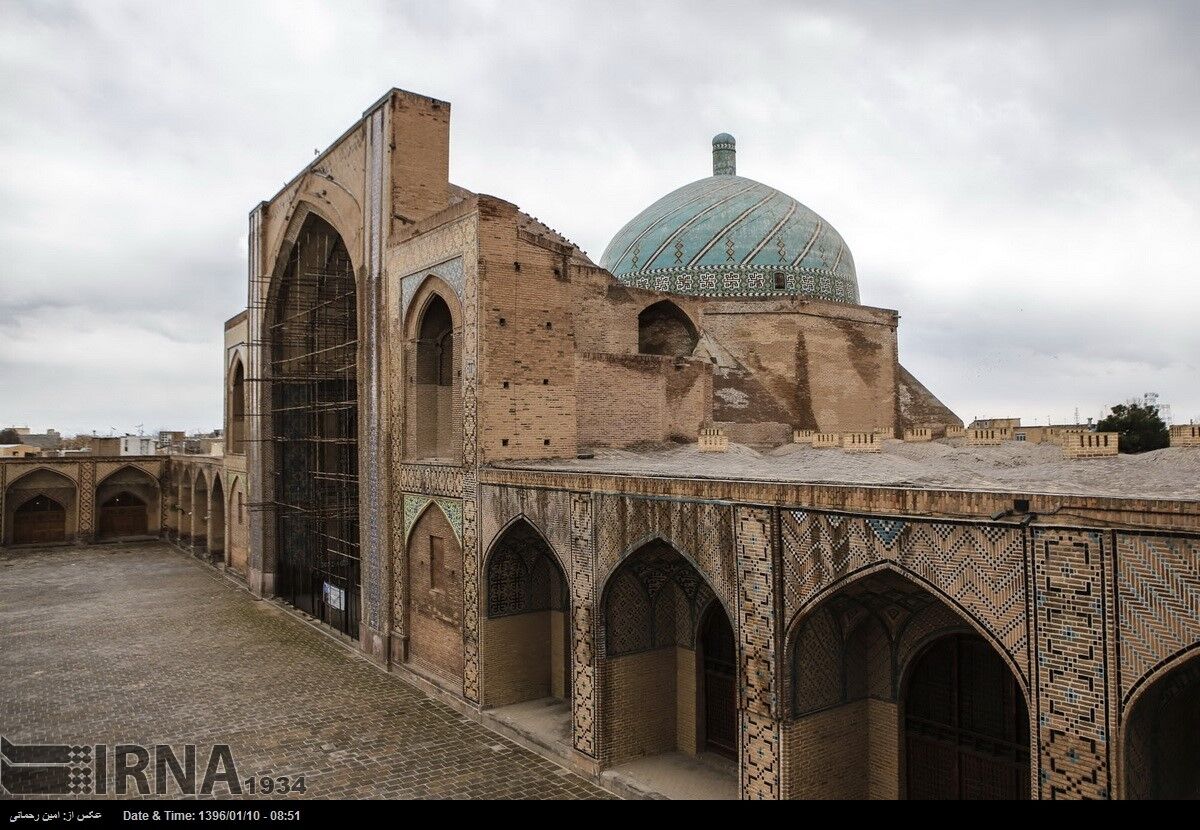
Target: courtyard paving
{"x": 140, "y": 644}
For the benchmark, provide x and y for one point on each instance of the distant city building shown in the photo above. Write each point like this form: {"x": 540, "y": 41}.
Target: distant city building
{"x": 18, "y": 451}
{"x": 49, "y": 440}
{"x": 138, "y": 445}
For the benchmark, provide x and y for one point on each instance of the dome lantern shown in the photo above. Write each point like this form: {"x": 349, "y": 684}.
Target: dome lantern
{"x": 724, "y": 155}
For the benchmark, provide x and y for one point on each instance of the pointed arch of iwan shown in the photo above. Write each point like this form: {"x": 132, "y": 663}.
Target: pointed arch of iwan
{"x": 894, "y": 691}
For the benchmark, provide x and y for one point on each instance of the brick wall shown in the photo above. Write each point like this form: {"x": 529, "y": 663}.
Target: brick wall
{"x": 435, "y": 611}
{"x": 559, "y": 657}
{"x": 883, "y": 757}
{"x": 827, "y": 752}
{"x": 686, "y": 699}
{"x": 814, "y": 365}
{"x": 849, "y": 751}
{"x": 761, "y": 434}
{"x": 527, "y": 377}
{"x": 420, "y": 162}
{"x": 238, "y": 516}
{"x": 641, "y": 705}
{"x": 627, "y": 399}
{"x": 518, "y": 657}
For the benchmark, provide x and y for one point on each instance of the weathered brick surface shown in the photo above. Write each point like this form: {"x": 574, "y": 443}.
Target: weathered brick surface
{"x": 139, "y": 644}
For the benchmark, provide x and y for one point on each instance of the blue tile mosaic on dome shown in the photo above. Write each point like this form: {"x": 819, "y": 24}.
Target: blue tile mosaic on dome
{"x": 727, "y": 235}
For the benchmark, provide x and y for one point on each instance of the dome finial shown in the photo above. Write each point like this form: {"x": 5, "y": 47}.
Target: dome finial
{"x": 724, "y": 155}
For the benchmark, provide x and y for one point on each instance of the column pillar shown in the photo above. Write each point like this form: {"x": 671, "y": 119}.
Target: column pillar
{"x": 760, "y": 711}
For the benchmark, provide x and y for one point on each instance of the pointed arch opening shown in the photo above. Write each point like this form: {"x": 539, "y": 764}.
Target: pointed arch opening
{"x": 434, "y": 596}
{"x": 664, "y": 329}
{"x": 526, "y": 621}
{"x": 894, "y": 694}
{"x": 216, "y": 521}
{"x": 434, "y": 383}
{"x": 311, "y": 414}
{"x": 184, "y": 518}
{"x": 200, "y": 507}
{"x": 1161, "y": 750}
{"x": 127, "y": 505}
{"x": 39, "y": 508}
{"x": 39, "y": 520}
{"x": 238, "y": 429}
{"x": 669, "y": 668}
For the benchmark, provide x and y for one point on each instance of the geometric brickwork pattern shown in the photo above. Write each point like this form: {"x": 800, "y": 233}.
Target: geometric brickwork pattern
{"x": 152, "y": 468}
{"x": 858, "y": 642}
{"x": 429, "y": 479}
{"x": 87, "y": 500}
{"x": 979, "y": 568}
{"x": 1158, "y": 594}
{"x": 455, "y": 240}
{"x": 655, "y": 599}
{"x": 583, "y": 633}
{"x": 548, "y": 511}
{"x": 372, "y": 471}
{"x": 1072, "y": 674}
{"x": 470, "y": 439}
{"x": 757, "y": 632}
{"x": 701, "y": 531}
{"x": 523, "y": 575}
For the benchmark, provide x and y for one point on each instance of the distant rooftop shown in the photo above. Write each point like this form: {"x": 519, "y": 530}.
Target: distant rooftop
{"x": 1014, "y": 466}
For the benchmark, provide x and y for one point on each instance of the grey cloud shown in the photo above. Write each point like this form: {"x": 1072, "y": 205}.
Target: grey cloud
{"x": 1020, "y": 179}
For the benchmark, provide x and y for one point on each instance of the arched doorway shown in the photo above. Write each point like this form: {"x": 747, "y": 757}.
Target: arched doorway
{"x": 185, "y": 507}
{"x": 122, "y": 515}
{"x": 719, "y": 660}
{"x": 216, "y": 521}
{"x": 526, "y": 627}
{"x": 237, "y": 408}
{"x": 966, "y": 725}
{"x": 311, "y": 409}
{"x": 895, "y": 694}
{"x": 128, "y": 504}
{"x": 664, "y": 329}
{"x": 39, "y": 520}
{"x": 435, "y": 596}
{"x": 1162, "y": 737}
{"x": 39, "y": 508}
{"x": 200, "y": 514}
{"x": 433, "y": 379}
{"x": 658, "y": 693}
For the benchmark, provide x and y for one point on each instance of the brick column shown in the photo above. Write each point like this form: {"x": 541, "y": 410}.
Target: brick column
{"x": 374, "y": 564}
{"x": 86, "y": 502}
{"x": 760, "y": 759}
{"x": 261, "y": 565}
{"x": 583, "y": 628}
{"x": 1074, "y": 708}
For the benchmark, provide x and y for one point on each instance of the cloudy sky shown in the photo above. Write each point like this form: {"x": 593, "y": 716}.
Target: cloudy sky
{"x": 1021, "y": 180}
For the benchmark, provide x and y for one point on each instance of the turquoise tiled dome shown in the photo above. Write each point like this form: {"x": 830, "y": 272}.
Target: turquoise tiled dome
{"x": 728, "y": 236}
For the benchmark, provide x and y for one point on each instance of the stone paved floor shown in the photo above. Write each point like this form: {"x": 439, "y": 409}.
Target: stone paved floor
{"x": 140, "y": 644}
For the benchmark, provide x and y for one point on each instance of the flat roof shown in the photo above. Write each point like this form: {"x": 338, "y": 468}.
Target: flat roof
{"x": 947, "y": 464}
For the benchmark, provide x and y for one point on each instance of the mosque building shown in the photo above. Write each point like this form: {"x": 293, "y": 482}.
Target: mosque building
{"x": 685, "y": 503}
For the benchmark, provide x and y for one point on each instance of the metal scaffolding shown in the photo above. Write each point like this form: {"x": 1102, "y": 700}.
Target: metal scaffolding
{"x": 305, "y": 328}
